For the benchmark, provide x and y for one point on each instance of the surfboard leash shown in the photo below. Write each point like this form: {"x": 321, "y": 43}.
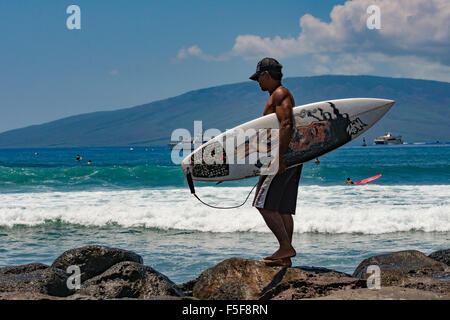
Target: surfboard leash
{"x": 191, "y": 186}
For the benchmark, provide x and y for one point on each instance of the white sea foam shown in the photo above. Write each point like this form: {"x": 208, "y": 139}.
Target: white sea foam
{"x": 370, "y": 209}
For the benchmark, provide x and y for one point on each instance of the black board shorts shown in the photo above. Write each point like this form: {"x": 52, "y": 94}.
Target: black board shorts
{"x": 279, "y": 192}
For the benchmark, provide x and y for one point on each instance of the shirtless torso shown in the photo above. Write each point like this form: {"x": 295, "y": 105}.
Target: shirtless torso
{"x": 281, "y": 93}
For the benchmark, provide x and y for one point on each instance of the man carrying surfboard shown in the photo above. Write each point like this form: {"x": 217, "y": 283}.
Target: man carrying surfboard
{"x": 276, "y": 195}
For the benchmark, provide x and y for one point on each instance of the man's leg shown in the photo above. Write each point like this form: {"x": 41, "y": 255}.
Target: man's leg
{"x": 288, "y": 225}
{"x": 276, "y": 224}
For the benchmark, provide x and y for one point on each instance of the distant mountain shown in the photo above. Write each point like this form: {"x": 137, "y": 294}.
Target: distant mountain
{"x": 421, "y": 113}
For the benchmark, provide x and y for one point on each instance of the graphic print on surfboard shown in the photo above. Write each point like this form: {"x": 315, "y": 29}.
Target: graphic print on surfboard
{"x": 207, "y": 169}
{"x": 329, "y": 130}
{"x": 368, "y": 179}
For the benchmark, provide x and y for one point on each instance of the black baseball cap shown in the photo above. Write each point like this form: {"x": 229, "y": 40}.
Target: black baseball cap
{"x": 266, "y": 64}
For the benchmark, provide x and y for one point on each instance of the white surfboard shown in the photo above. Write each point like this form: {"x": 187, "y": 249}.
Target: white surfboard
{"x": 318, "y": 129}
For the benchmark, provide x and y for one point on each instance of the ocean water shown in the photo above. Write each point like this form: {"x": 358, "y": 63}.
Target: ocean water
{"x": 139, "y": 200}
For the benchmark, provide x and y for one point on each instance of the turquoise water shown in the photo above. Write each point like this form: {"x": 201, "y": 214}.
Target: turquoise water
{"x": 139, "y": 200}
{"x": 151, "y": 167}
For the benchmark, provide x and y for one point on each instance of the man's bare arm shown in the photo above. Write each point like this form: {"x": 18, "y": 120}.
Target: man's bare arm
{"x": 283, "y": 111}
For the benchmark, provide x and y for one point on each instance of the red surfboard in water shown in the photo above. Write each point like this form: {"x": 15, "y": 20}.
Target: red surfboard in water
{"x": 368, "y": 179}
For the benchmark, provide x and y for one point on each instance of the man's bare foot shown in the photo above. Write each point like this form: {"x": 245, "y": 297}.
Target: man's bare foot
{"x": 285, "y": 262}
{"x": 280, "y": 254}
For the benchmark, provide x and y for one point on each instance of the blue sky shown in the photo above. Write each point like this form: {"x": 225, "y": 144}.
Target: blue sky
{"x": 133, "y": 52}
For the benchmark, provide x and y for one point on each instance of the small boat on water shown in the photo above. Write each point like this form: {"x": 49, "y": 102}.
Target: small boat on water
{"x": 388, "y": 139}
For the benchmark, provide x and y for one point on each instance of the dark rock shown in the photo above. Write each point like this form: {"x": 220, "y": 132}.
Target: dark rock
{"x": 409, "y": 269}
{"x": 441, "y": 256}
{"x": 34, "y": 278}
{"x": 244, "y": 279}
{"x": 187, "y": 287}
{"x": 311, "y": 287}
{"x": 129, "y": 280}
{"x": 94, "y": 260}
{"x": 400, "y": 262}
{"x": 25, "y": 268}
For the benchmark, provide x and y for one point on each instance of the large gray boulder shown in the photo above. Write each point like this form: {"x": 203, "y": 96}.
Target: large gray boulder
{"x": 400, "y": 263}
{"x": 129, "y": 280}
{"x": 35, "y": 278}
{"x": 94, "y": 260}
{"x": 409, "y": 269}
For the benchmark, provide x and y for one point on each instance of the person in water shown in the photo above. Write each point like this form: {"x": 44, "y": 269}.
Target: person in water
{"x": 317, "y": 162}
{"x": 276, "y": 195}
{"x": 79, "y": 158}
{"x": 349, "y": 181}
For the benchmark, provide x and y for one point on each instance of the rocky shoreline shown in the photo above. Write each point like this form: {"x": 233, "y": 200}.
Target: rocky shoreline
{"x": 98, "y": 272}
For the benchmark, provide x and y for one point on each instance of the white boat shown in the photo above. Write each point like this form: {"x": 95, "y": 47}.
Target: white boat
{"x": 388, "y": 139}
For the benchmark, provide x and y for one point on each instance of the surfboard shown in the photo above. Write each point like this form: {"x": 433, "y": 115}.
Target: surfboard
{"x": 318, "y": 129}
{"x": 368, "y": 179}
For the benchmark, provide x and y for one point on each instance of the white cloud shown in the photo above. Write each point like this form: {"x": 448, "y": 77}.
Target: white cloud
{"x": 412, "y": 31}
{"x": 419, "y": 27}
{"x": 195, "y": 51}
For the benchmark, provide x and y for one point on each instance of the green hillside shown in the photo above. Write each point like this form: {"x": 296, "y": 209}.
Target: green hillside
{"x": 421, "y": 112}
